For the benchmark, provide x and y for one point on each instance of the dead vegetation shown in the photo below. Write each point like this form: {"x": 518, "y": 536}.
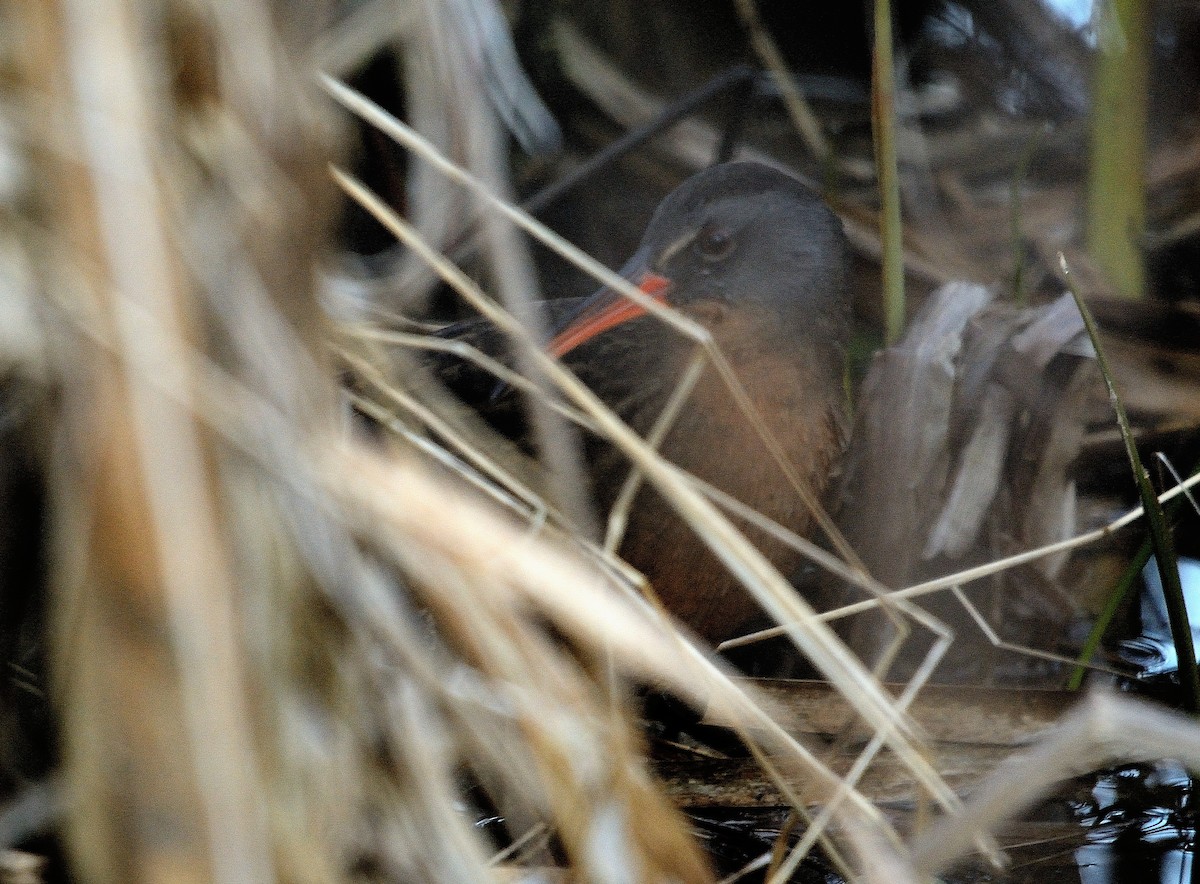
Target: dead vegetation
{"x": 270, "y": 646}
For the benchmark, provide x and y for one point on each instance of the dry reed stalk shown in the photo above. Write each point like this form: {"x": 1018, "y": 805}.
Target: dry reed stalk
{"x": 742, "y": 558}
{"x": 1104, "y": 730}
{"x": 801, "y": 114}
{"x": 241, "y": 652}
{"x": 287, "y": 648}
{"x": 146, "y": 583}
{"x": 756, "y": 573}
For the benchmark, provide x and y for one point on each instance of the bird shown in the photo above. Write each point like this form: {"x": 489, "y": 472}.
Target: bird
{"x": 760, "y": 261}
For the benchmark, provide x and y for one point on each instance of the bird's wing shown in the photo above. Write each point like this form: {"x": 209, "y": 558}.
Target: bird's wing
{"x": 476, "y": 385}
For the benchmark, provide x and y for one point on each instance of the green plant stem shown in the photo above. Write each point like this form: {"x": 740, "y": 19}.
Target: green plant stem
{"x": 1092, "y": 643}
{"x": 1160, "y": 536}
{"x": 1115, "y": 598}
{"x": 883, "y": 110}
{"x": 1116, "y": 195}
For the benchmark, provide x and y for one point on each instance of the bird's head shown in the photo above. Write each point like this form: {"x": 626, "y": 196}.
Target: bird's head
{"x": 738, "y": 236}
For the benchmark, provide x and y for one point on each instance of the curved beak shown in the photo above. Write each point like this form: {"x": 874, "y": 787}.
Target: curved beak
{"x": 608, "y": 308}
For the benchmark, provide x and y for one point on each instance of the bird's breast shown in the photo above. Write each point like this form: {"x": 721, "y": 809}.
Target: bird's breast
{"x": 794, "y": 397}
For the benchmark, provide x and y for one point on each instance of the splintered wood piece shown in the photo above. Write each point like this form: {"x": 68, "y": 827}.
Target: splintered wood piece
{"x": 984, "y": 716}
{"x": 971, "y": 731}
{"x": 740, "y": 782}
{"x": 903, "y": 417}
{"x": 985, "y": 405}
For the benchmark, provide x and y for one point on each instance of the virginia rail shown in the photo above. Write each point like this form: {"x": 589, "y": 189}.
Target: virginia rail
{"x": 759, "y": 260}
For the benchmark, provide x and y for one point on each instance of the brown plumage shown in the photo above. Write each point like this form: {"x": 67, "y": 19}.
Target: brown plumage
{"x": 758, "y": 259}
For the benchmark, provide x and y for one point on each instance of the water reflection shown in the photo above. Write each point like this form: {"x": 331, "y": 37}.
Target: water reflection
{"x": 1140, "y": 827}
{"x": 1153, "y": 651}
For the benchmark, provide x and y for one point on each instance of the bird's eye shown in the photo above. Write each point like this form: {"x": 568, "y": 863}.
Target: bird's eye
{"x": 714, "y": 242}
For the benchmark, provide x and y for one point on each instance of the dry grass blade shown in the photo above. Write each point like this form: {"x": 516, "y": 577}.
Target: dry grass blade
{"x": 1102, "y": 730}
{"x": 243, "y": 658}
{"x": 769, "y": 588}
{"x": 517, "y": 327}
{"x": 152, "y": 577}
{"x": 517, "y": 572}
{"x": 762, "y": 580}
{"x": 310, "y": 619}
{"x": 1161, "y": 539}
{"x": 802, "y": 116}
{"x": 969, "y": 574}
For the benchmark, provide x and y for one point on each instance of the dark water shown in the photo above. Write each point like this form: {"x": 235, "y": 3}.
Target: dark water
{"x": 1129, "y": 825}
{"x": 1132, "y": 824}
{"x": 1125, "y": 825}
{"x": 1140, "y": 826}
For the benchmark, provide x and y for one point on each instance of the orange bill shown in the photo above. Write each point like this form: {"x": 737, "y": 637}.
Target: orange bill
{"x": 607, "y": 309}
